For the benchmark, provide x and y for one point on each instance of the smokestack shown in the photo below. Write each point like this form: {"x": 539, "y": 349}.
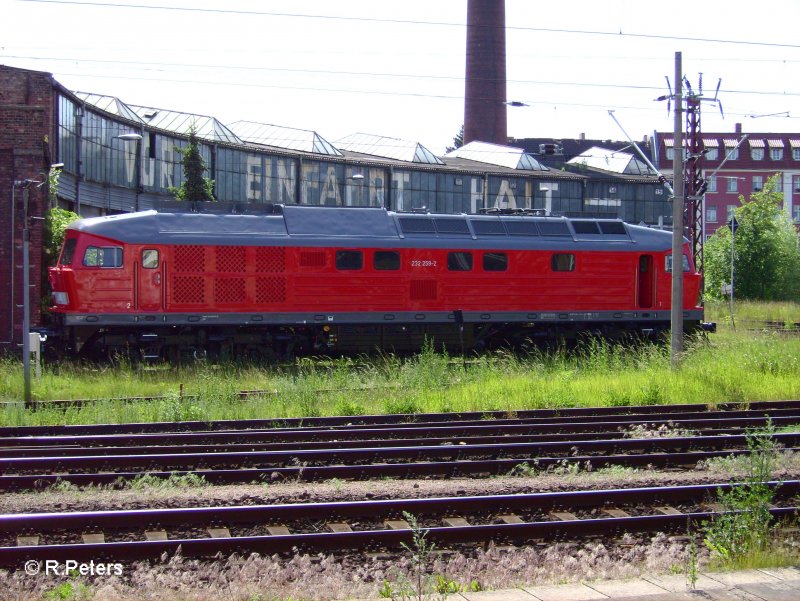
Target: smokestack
{"x": 485, "y": 90}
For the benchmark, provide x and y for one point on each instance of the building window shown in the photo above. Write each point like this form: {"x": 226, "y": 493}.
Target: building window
{"x": 711, "y": 214}
{"x": 758, "y": 183}
{"x": 757, "y": 154}
{"x": 732, "y": 154}
{"x": 386, "y": 260}
{"x": 776, "y": 154}
{"x": 563, "y": 262}
{"x": 796, "y": 183}
{"x": 495, "y": 261}
{"x": 712, "y": 184}
{"x": 712, "y": 154}
{"x": 670, "y": 154}
{"x": 777, "y": 183}
{"x": 733, "y": 184}
{"x": 796, "y": 154}
{"x": 349, "y": 260}
{"x": 729, "y": 212}
{"x": 459, "y": 261}
{"x": 796, "y": 213}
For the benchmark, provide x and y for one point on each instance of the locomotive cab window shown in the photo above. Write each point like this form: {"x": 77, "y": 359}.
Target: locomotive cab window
{"x": 386, "y": 260}
{"x": 150, "y": 259}
{"x": 668, "y": 265}
{"x": 105, "y": 257}
{"x": 563, "y": 262}
{"x": 459, "y": 261}
{"x": 69, "y": 251}
{"x": 349, "y": 260}
{"x": 495, "y": 261}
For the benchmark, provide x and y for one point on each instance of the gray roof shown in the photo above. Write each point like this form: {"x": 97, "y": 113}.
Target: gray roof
{"x": 295, "y": 225}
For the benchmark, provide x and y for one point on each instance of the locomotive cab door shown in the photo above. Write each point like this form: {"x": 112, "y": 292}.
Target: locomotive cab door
{"x": 645, "y": 282}
{"x": 150, "y": 279}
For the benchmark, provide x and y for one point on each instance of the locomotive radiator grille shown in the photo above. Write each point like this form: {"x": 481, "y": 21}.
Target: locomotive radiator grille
{"x": 190, "y": 258}
{"x": 188, "y": 290}
{"x": 229, "y": 291}
{"x": 231, "y": 259}
{"x": 270, "y": 290}
{"x": 270, "y": 259}
{"x": 423, "y": 290}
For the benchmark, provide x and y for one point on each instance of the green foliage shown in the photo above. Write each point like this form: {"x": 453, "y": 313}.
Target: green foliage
{"x": 458, "y": 140}
{"x": 195, "y": 186}
{"x": 766, "y": 253}
{"x": 744, "y": 529}
{"x": 421, "y": 550}
{"x": 55, "y": 225}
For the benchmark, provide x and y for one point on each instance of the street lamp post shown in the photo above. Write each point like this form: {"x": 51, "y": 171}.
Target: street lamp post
{"x": 26, "y": 293}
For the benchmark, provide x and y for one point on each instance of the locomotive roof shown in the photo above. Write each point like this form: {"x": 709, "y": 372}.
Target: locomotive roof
{"x": 296, "y": 225}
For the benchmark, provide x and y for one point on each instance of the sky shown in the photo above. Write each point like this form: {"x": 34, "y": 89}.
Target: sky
{"x": 397, "y": 68}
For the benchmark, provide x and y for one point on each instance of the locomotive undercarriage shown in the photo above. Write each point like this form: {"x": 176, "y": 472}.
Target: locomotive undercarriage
{"x": 182, "y": 344}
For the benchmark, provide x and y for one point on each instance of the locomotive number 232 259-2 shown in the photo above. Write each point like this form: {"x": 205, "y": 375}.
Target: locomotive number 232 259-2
{"x": 423, "y": 263}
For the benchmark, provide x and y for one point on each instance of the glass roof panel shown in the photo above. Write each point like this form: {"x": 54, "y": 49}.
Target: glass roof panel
{"x": 283, "y": 137}
{"x": 110, "y": 104}
{"x": 390, "y": 148}
{"x": 495, "y": 154}
{"x": 207, "y": 128}
{"x": 611, "y": 160}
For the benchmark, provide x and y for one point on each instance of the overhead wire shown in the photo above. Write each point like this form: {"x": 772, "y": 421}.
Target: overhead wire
{"x": 619, "y": 33}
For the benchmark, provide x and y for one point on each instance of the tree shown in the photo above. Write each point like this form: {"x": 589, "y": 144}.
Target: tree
{"x": 195, "y": 185}
{"x": 766, "y": 253}
{"x": 458, "y": 141}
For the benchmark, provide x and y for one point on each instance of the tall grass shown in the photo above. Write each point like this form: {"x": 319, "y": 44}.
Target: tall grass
{"x": 729, "y": 366}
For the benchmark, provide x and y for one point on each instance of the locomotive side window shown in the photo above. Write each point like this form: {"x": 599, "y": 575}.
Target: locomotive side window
{"x": 563, "y": 262}
{"x": 459, "y": 261}
{"x": 69, "y": 251}
{"x": 668, "y": 265}
{"x": 349, "y": 260}
{"x": 150, "y": 259}
{"x": 386, "y": 260}
{"x": 105, "y": 257}
{"x": 495, "y": 261}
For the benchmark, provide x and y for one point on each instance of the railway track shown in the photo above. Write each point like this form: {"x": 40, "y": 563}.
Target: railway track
{"x": 122, "y": 535}
{"x": 379, "y": 446}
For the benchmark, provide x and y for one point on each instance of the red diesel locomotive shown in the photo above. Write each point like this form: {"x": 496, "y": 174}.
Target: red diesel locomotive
{"x": 301, "y": 279}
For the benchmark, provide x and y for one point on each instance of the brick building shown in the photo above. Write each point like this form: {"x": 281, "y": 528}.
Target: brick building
{"x": 758, "y": 157}
{"x": 26, "y": 152}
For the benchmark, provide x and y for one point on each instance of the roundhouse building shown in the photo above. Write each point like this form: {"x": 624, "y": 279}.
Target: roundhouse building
{"x": 115, "y": 157}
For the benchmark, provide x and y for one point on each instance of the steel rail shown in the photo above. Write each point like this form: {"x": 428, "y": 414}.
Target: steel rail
{"x": 482, "y": 467}
{"x": 396, "y": 419}
{"x": 360, "y": 540}
{"x": 80, "y": 451}
{"x": 371, "y": 509}
{"x": 375, "y": 454}
{"x": 485, "y": 427}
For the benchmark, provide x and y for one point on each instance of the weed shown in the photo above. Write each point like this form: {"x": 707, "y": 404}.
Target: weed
{"x": 67, "y": 591}
{"x": 744, "y": 529}
{"x": 149, "y": 481}
{"x": 525, "y": 469}
{"x": 692, "y": 564}
{"x": 420, "y": 550}
{"x": 446, "y": 586}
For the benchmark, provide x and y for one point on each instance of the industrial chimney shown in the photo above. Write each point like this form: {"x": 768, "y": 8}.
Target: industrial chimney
{"x": 485, "y": 90}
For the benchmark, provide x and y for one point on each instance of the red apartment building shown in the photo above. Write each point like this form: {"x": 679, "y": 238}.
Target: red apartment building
{"x": 737, "y": 164}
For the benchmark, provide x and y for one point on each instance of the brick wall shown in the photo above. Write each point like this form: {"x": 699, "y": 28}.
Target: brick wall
{"x": 27, "y": 129}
